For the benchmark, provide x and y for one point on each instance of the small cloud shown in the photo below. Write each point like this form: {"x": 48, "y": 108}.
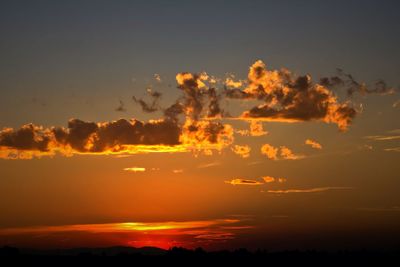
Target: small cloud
{"x": 268, "y": 179}
{"x": 393, "y": 149}
{"x": 382, "y": 137}
{"x": 256, "y": 128}
{"x": 230, "y": 82}
{"x": 177, "y": 171}
{"x": 121, "y": 107}
{"x": 366, "y": 147}
{"x": 313, "y": 144}
{"x": 135, "y": 169}
{"x": 309, "y": 190}
{"x": 208, "y": 165}
{"x": 243, "y": 151}
{"x": 270, "y": 151}
{"x": 286, "y": 153}
{"x": 157, "y": 77}
{"x": 396, "y": 104}
{"x": 240, "y": 181}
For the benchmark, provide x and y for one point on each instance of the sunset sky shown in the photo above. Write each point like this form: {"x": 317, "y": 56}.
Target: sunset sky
{"x": 220, "y": 124}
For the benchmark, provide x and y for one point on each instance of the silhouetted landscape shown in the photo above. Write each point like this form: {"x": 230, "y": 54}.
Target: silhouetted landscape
{"x": 128, "y": 255}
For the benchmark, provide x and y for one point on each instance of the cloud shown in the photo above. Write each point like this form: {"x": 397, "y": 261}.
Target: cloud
{"x": 177, "y": 171}
{"x": 157, "y": 77}
{"x": 256, "y": 129}
{"x": 208, "y": 165}
{"x": 393, "y": 149}
{"x": 352, "y": 86}
{"x": 121, "y": 107}
{"x": 310, "y": 190}
{"x": 313, "y": 144}
{"x": 230, "y": 82}
{"x": 240, "y": 181}
{"x": 288, "y": 98}
{"x": 270, "y": 179}
{"x": 194, "y": 121}
{"x": 382, "y": 137}
{"x": 135, "y": 169}
{"x": 286, "y": 153}
{"x": 270, "y": 151}
{"x": 116, "y": 137}
{"x": 243, "y": 151}
{"x": 151, "y": 106}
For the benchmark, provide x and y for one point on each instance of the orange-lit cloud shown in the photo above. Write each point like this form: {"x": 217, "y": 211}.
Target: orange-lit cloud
{"x": 287, "y": 153}
{"x": 230, "y": 82}
{"x": 313, "y": 144}
{"x": 393, "y": 149}
{"x": 383, "y": 137}
{"x": 135, "y": 169}
{"x": 243, "y": 151}
{"x": 240, "y": 181}
{"x": 310, "y": 190}
{"x": 288, "y": 98}
{"x": 256, "y": 129}
{"x": 282, "y": 180}
{"x": 116, "y": 137}
{"x": 268, "y": 179}
{"x": 195, "y": 121}
{"x": 208, "y": 165}
{"x": 177, "y": 171}
{"x": 270, "y": 151}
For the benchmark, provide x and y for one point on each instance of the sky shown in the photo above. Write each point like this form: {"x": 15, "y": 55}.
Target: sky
{"x": 220, "y": 124}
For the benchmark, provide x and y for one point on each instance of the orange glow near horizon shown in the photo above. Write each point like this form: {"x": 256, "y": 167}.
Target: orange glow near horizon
{"x": 139, "y": 234}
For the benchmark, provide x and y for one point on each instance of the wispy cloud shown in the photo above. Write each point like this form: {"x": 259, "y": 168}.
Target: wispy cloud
{"x": 393, "y": 149}
{"x": 308, "y": 190}
{"x": 313, "y": 144}
{"x": 135, "y": 169}
{"x": 240, "y": 181}
{"x": 382, "y": 137}
{"x": 177, "y": 171}
{"x": 208, "y": 165}
{"x": 263, "y": 180}
{"x": 287, "y": 153}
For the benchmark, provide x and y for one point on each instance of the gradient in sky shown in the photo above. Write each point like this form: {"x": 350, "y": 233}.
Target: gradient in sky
{"x": 258, "y": 124}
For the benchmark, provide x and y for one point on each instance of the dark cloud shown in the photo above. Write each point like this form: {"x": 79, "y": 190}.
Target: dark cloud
{"x": 352, "y": 86}
{"x": 28, "y": 137}
{"x": 151, "y": 106}
{"x": 121, "y": 107}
